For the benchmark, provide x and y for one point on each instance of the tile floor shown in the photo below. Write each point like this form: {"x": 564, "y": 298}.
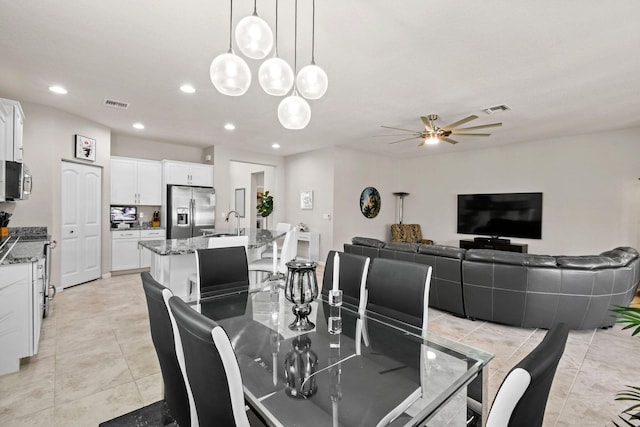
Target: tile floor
{"x": 96, "y": 361}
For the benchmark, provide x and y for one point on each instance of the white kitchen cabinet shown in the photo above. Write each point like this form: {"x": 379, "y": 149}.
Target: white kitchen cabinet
{"x": 125, "y": 253}
{"x": 11, "y": 140}
{"x": 21, "y": 317}
{"x": 185, "y": 173}
{"x": 136, "y": 181}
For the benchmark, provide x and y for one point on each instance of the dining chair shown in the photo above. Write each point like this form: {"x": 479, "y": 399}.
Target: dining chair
{"x": 398, "y": 290}
{"x": 220, "y": 269}
{"x": 281, "y": 228}
{"x": 209, "y": 368}
{"x": 352, "y": 276}
{"x": 289, "y": 252}
{"x": 522, "y": 396}
{"x": 175, "y": 391}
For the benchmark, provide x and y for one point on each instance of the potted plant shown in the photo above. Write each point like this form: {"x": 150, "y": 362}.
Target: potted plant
{"x": 631, "y": 317}
{"x": 265, "y": 206}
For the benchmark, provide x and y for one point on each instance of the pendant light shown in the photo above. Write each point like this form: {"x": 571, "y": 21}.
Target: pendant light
{"x": 229, "y": 73}
{"x": 312, "y": 81}
{"x": 275, "y": 74}
{"x": 253, "y": 36}
{"x": 294, "y": 111}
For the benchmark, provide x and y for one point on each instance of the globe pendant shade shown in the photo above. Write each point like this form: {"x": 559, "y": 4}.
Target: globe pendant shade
{"x": 294, "y": 112}
{"x": 254, "y": 37}
{"x": 312, "y": 82}
{"x": 275, "y": 76}
{"x": 230, "y": 74}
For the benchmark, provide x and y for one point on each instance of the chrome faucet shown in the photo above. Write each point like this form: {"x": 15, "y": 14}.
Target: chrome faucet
{"x": 237, "y": 221}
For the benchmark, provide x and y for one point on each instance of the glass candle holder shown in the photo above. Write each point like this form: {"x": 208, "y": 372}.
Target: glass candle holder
{"x": 301, "y": 288}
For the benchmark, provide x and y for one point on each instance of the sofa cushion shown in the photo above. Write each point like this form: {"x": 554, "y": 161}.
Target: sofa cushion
{"x": 367, "y": 241}
{"x": 444, "y": 251}
{"x": 585, "y": 262}
{"x": 403, "y": 247}
{"x": 512, "y": 258}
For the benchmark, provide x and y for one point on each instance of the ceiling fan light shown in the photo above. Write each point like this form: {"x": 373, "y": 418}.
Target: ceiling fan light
{"x": 432, "y": 140}
{"x": 294, "y": 112}
{"x": 230, "y": 74}
{"x": 254, "y": 37}
{"x": 275, "y": 76}
{"x": 312, "y": 82}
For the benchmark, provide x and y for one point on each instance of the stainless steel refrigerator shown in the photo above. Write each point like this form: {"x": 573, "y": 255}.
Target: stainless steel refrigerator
{"x": 189, "y": 210}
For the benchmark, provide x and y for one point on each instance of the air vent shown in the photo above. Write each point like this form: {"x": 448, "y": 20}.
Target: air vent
{"x": 497, "y": 109}
{"x": 116, "y": 104}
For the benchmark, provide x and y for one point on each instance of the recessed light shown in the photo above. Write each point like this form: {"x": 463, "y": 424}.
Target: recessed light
{"x": 138, "y": 126}
{"x": 58, "y": 89}
{"x": 229, "y": 126}
{"x": 276, "y": 145}
{"x": 187, "y": 89}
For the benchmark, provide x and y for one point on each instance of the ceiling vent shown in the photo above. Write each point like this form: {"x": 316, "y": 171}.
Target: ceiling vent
{"x": 497, "y": 109}
{"x": 116, "y": 104}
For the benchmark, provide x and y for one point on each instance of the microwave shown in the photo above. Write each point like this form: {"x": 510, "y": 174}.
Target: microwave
{"x": 18, "y": 181}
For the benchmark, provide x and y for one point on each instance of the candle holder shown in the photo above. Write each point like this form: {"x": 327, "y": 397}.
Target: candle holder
{"x": 301, "y": 288}
{"x": 300, "y": 365}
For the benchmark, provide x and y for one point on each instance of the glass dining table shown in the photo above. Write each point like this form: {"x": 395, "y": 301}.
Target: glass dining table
{"x": 367, "y": 372}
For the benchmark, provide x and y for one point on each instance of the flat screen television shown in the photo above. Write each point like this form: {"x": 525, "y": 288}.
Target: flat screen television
{"x": 501, "y": 215}
{"x": 124, "y": 214}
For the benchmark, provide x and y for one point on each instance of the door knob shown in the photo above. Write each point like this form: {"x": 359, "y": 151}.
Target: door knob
{"x": 71, "y": 232}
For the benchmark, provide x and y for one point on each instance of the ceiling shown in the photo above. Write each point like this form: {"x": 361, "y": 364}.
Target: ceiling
{"x": 564, "y": 67}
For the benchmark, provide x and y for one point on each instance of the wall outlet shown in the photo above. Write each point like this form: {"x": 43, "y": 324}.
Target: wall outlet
{"x": 326, "y": 216}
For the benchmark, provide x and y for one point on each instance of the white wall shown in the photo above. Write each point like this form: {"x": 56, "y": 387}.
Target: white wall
{"x": 139, "y": 148}
{"x": 240, "y": 177}
{"x": 49, "y": 136}
{"x": 591, "y": 192}
{"x": 222, "y": 180}
{"x": 312, "y": 171}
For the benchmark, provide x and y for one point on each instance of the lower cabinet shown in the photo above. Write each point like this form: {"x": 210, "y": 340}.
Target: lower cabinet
{"x": 21, "y": 304}
{"x": 125, "y": 253}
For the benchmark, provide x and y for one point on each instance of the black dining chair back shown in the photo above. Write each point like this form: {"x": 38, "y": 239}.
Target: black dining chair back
{"x": 175, "y": 391}
{"x": 399, "y": 290}
{"x": 222, "y": 269}
{"x": 353, "y": 269}
{"x": 522, "y": 396}
{"x": 210, "y": 367}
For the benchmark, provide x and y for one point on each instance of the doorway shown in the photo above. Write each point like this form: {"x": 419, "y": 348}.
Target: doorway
{"x": 80, "y": 244}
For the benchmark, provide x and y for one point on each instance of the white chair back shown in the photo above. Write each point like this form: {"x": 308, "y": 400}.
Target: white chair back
{"x": 289, "y": 250}
{"x": 228, "y": 242}
{"x": 283, "y": 227}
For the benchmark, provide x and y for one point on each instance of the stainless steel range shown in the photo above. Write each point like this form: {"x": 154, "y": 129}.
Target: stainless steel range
{"x": 49, "y": 290}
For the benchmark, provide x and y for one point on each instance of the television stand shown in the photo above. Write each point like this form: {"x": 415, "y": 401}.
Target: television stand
{"x": 495, "y": 244}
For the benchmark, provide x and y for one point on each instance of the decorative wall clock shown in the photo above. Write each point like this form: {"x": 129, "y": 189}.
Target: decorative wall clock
{"x": 370, "y": 202}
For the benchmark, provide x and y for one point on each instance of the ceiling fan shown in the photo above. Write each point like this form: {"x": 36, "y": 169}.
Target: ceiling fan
{"x": 432, "y": 133}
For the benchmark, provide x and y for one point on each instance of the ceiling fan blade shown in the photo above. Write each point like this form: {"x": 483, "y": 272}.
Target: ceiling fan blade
{"x": 401, "y": 140}
{"x": 406, "y": 130}
{"x": 427, "y": 123}
{"x": 460, "y": 122}
{"x": 480, "y": 127}
{"x": 389, "y": 134}
{"x": 449, "y": 140}
{"x": 470, "y": 134}
{"x": 424, "y": 141}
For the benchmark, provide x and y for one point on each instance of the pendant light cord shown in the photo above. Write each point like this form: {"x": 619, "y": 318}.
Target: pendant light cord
{"x": 230, "y": 24}
{"x": 313, "y": 33}
{"x": 255, "y": 8}
{"x": 275, "y": 47}
{"x": 295, "y": 43}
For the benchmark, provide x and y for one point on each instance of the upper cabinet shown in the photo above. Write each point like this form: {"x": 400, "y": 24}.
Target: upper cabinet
{"x": 183, "y": 173}
{"x": 136, "y": 181}
{"x": 11, "y": 129}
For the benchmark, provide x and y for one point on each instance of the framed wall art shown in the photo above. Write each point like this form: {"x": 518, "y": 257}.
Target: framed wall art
{"x": 306, "y": 200}
{"x": 85, "y": 148}
{"x": 370, "y": 202}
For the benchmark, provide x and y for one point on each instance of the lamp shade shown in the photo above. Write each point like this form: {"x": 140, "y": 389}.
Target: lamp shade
{"x": 230, "y": 74}
{"x": 312, "y": 82}
{"x": 254, "y": 37}
{"x": 294, "y": 112}
{"x": 276, "y": 76}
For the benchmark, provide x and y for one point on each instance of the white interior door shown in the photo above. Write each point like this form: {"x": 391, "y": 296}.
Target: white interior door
{"x": 81, "y": 223}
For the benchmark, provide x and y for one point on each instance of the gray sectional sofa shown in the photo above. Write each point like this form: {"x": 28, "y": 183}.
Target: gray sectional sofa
{"x": 534, "y": 291}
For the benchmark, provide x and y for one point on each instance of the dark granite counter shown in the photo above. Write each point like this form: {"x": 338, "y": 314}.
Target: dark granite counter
{"x": 138, "y": 227}
{"x": 16, "y": 251}
{"x": 257, "y": 238}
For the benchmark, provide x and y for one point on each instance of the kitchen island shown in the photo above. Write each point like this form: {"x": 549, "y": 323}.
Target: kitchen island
{"x": 174, "y": 260}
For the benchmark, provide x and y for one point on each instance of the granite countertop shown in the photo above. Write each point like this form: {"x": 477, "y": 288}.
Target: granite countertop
{"x": 138, "y": 227}
{"x": 257, "y": 238}
{"x": 21, "y": 252}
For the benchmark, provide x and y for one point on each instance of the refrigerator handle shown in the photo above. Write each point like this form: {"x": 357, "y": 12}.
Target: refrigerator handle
{"x": 192, "y": 208}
